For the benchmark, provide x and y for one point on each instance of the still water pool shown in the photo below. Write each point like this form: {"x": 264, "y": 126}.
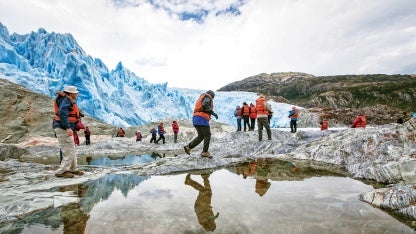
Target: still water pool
{"x": 262, "y": 196}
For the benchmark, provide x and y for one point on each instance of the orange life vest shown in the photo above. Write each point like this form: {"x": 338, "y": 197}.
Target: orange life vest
{"x": 260, "y": 107}
{"x": 175, "y": 127}
{"x": 253, "y": 112}
{"x": 246, "y": 110}
{"x": 296, "y": 114}
{"x": 73, "y": 111}
{"x": 324, "y": 125}
{"x": 238, "y": 112}
{"x": 198, "y": 107}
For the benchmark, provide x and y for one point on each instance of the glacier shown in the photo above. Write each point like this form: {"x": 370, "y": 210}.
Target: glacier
{"x": 45, "y": 62}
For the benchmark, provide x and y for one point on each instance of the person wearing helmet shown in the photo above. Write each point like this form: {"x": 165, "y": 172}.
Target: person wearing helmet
{"x": 204, "y": 108}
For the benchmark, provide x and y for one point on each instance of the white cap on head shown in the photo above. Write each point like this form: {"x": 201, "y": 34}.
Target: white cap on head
{"x": 71, "y": 89}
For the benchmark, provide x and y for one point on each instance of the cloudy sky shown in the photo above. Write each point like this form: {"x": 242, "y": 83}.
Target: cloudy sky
{"x": 206, "y": 44}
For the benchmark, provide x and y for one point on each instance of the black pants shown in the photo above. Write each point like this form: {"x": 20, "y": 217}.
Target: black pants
{"x": 204, "y": 134}
{"x": 87, "y": 140}
{"x": 246, "y": 122}
{"x": 161, "y": 137}
{"x": 253, "y": 123}
{"x": 293, "y": 125}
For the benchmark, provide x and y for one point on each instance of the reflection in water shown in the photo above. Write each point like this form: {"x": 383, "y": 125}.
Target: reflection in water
{"x": 260, "y": 169}
{"x": 127, "y": 160}
{"x": 203, "y": 208}
{"x": 74, "y": 216}
{"x": 289, "y": 197}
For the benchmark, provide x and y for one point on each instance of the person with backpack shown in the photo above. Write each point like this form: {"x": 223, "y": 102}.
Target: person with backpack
{"x": 293, "y": 115}
{"x": 263, "y": 109}
{"x": 175, "y": 129}
{"x": 245, "y": 114}
{"x": 253, "y": 116}
{"x": 204, "y": 108}
{"x": 66, "y": 116}
{"x": 237, "y": 114}
{"x": 161, "y": 132}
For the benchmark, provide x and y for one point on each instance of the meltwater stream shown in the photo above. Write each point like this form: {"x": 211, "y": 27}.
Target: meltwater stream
{"x": 260, "y": 196}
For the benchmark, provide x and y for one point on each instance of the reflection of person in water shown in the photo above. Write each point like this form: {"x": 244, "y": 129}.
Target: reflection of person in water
{"x": 262, "y": 173}
{"x": 203, "y": 208}
{"x": 73, "y": 218}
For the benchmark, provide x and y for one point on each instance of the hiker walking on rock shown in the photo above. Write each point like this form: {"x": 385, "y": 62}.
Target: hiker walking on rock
{"x": 204, "y": 108}
{"x": 154, "y": 133}
{"x": 161, "y": 132}
{"x": 66, "y": 111}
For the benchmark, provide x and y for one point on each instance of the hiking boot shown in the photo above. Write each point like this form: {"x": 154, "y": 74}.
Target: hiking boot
{"x": 66, "y": 174}
{"x": 187, "y": 149}
{"x": 79, "y": 173}
{"x": 206, "y": 154}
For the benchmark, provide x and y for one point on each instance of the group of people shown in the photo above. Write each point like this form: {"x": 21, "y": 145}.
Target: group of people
{"x": 67, "y": 115}
{"x": 153, "y": 132}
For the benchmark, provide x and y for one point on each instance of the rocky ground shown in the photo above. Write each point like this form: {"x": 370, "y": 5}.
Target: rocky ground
{"x": 380, "y": 153}
{"x": 384, "y": 154}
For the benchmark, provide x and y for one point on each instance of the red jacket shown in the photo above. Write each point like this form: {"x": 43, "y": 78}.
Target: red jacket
{"x": 175, "y": 127}
{"x": 359, "y": 122}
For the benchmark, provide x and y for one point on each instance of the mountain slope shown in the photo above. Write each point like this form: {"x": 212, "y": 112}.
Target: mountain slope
{"x": 382, "y": 97}
{"x": 25, "y": 114}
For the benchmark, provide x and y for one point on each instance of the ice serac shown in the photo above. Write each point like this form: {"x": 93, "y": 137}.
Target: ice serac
{"x": 45, "y": 62}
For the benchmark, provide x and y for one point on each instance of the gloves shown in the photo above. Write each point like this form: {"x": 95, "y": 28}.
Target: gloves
{"x": 215, "y": 115}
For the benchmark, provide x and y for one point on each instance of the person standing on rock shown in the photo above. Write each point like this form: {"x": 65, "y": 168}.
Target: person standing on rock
{"x": 253, "y": 116}
{"x": 87, "y": 134}
{"x": 245, "y": 113}
{"x": 263, "y": 108}
{"x": 204, "y": 108}
{"x": 175, "y": 129}
{"x": 65, "y": 110}
{"x": 237, "y": 114}
{"x": 293, "y": 115}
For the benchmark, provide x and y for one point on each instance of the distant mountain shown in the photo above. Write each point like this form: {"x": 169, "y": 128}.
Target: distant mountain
{"x": 382, "y": 97}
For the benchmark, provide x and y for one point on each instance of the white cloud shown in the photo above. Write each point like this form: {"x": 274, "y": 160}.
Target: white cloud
{"x": 321, "y": 37}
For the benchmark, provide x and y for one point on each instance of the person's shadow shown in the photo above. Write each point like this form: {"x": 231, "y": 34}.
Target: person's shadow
{"x": 203, "y": 208}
